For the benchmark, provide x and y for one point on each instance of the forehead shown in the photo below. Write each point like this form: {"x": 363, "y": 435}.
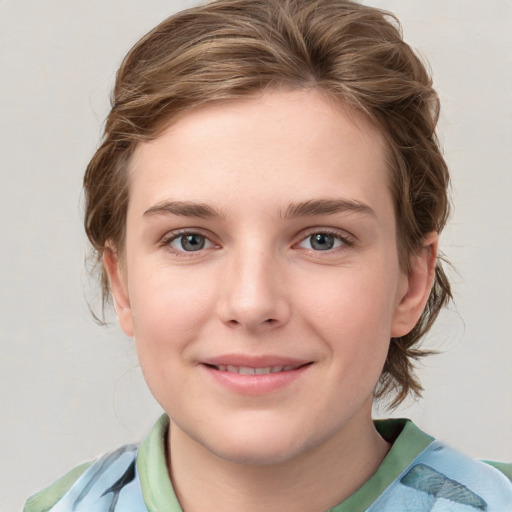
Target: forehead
{"x": 278, "y": 145}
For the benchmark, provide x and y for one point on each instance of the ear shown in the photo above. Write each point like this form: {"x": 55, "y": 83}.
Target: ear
{"x": 417, "y": 287}
{"x": 119, "y": 287}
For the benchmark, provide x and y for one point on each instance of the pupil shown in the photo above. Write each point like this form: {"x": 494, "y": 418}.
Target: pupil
{"x": 192, "y": 242}
{"x": 322, "y": 242}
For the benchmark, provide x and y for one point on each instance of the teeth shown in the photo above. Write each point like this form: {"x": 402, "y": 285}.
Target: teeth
{"x": 247, "y": 370}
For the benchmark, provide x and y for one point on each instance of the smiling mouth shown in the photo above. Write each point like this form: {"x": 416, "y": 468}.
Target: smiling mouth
{"x": 248, "y": 370}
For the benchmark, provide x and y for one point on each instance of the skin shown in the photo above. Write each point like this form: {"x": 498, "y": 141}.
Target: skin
{"x": 261, "y": 286}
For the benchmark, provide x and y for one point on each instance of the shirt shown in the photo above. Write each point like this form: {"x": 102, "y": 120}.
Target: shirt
{"x": 418, "y": 474}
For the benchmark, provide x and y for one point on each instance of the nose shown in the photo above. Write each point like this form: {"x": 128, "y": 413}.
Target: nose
{"x": 253, "y": 292}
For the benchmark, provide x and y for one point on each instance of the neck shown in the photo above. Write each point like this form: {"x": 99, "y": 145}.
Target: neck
{"x": 317, "y": 479}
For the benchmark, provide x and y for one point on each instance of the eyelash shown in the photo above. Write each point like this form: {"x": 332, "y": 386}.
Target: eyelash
{"x": 176, "y": 235}
{"x": 347, "y": 241}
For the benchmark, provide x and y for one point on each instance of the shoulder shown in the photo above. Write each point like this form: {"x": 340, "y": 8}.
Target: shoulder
{"x": 44, "y": 500}
{"x": 504, "y": 467}
{"x": 102, "y": 485}
{"x": 440, "y": 474}
{"x": 449, "y": 474}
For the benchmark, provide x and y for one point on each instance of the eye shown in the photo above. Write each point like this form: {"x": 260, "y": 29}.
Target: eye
{"x": 188, "y": 242}
{"x": 323, "y": 241}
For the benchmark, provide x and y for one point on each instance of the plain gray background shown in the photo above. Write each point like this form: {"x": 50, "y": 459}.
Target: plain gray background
{"x": 70, "y": 390}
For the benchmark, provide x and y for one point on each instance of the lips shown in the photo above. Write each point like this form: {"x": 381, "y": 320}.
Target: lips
{"x": 248, "y": 370}
{"x": 249, "y": 375}
{"x": 254, "y": 365}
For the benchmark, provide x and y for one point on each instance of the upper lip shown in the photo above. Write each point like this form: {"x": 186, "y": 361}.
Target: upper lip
{"x": 261, "y": 361}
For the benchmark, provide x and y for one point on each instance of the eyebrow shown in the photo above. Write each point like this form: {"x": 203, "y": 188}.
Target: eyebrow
{"x": 326, "y": 207}
{"x": 185, "y": 209}
{"x": 308, "y": 208}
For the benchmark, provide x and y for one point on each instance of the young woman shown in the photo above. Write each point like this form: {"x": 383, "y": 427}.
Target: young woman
{"x": 266, "y": 206}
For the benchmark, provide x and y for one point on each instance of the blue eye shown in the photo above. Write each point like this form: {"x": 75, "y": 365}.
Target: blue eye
{"x": 189, "y": 242}
{"x": 322, "y": 242}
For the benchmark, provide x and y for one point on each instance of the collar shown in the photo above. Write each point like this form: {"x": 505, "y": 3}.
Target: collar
{"x": 408, "y": 441}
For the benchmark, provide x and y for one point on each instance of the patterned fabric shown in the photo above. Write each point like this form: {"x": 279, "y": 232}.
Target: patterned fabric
{"x": 437, "y": 479}
{"x": 442, "y": 480}
{"x": 111, "y": 484}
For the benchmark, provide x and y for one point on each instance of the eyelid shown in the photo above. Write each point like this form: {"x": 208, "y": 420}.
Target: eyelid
{"x": 170, "y": 236}
{"x": 348, "y": 240}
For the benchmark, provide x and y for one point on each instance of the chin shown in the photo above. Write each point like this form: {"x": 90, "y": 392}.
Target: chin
{"x": 262, "y": 453}
{"x": 259, "y": 443}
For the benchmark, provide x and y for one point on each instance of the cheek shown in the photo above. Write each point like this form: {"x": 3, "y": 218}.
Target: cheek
{"x": 169, "y": 309}
{"x": 169, "y": 315}
{"x": 355, "y": 301}
{"x": 352, "y": 315}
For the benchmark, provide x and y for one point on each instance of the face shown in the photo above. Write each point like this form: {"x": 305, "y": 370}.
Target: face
{"x": 260, "y": 276}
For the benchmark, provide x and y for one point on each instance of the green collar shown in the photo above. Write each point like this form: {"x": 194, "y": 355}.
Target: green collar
{"x": 408, "y": 442}
{"x": 156, "y": 485}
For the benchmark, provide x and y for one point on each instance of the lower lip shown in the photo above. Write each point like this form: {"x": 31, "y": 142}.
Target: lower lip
{"x": 256, "y": 384}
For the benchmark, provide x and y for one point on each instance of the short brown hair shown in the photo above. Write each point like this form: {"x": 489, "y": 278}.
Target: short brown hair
{"x": 231, "y": 49}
